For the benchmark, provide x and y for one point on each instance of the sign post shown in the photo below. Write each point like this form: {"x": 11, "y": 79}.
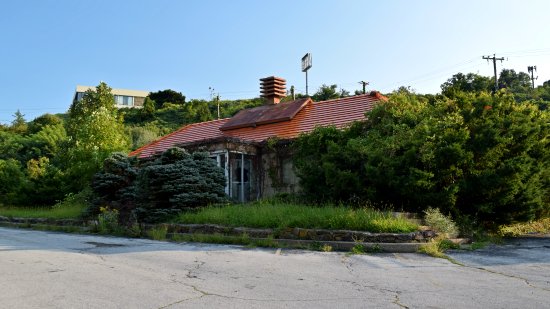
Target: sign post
{"x": 306, "y": 65}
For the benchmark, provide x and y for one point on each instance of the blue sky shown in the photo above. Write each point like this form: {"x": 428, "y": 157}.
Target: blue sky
{"x": 50, "y": 46}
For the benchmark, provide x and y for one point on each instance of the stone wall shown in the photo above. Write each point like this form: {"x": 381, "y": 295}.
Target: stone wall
{"x": 301, "y": 234}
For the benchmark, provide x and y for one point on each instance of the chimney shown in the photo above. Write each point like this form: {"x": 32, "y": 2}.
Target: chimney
{"x": 273, "y": 89}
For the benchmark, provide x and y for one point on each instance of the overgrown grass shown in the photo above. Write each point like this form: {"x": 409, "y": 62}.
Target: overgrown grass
{"x": 286, "y": 215}
{"x": 541, "y": 226}
{"x": 56, "y": 212}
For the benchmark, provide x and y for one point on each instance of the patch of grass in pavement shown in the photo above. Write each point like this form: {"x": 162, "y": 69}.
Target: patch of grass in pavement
{"x": 279, "y": 215}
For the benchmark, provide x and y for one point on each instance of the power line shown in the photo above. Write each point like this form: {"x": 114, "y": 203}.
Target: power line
{"x": 494, "y": 59}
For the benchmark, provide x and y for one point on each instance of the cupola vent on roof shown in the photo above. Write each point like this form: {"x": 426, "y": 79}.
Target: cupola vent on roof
{"x": 273, "y": 89}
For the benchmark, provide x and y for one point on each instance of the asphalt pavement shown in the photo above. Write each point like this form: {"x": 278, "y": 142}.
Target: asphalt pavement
{"x": 56, "y": 270}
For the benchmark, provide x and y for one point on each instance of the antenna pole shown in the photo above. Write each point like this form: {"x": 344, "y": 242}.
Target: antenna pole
{"x": 306, "y": 84}
{"x": 494, "y": 59}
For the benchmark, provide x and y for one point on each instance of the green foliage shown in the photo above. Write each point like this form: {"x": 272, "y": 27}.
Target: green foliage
{"x": 358, "y": 249}
{"x": 158, "y": 232}
{"x": 437, "y": 247}
{"x": 107, "y": 221}
{"x": 12, "y": 182}
{"x": 94, "y": 132}
{"x": 149, "y": 107}
{"x": 114, "y": 186}
{"x": 42, "y": 121}
{"x": 80, "y": 200}
{"x": 141, "y": 136}
{"x": 286, "y": 215}
{"x": 166, "y": 96}
{"x": 326, "y": 92}
{"x": 440, "y": 223}
{"x": 19, "y": 124}
{"x": 467, "y": 83}
{"x": 64, "y": 211}
{"x": 177, "y": 180}
{"x": 541, "y": 226}
{"x": 477, "y": 155}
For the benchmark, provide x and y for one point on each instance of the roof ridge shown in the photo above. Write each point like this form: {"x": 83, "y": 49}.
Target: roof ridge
{"x": 344, "y": 98}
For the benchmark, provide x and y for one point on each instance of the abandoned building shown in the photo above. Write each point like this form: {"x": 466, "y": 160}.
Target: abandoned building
{"x": 251, "y": 146}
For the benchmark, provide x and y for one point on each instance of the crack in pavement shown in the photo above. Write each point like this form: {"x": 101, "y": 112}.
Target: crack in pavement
{"x": 203, "y": 293}
{"x": 397, "y": 301}
{"x": 347, "y": 264}
{"x": 527, "y": 282}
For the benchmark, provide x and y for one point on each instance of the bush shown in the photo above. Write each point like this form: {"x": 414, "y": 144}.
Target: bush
{"x": 175, "y": 181}
{"x": 440, "y": 223}
{"x": 481, "y": 156}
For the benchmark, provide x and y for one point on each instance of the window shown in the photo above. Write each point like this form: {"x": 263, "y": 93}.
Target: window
{"x": 124, "y": 100}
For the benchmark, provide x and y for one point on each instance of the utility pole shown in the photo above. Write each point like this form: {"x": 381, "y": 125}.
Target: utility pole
{"x": 364, "y": 86}
{"x": 532, "y": 69}
{"x": 216, "y": 97}
{"x": 494, "y": 58}
{"x": 218, "y": 101}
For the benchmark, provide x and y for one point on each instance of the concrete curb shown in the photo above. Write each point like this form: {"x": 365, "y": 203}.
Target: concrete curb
{"x": 347, "y": 246}
{"x": 373, "y": 247}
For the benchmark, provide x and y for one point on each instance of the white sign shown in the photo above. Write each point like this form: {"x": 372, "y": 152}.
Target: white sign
{"x": 306, "y": 62}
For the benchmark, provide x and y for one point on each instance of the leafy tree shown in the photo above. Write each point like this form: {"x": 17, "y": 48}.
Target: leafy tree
{"x": 514, "y": 81}
{"x": 94, "y": 131}
{"x": 51, "y": 140}
{"x": 149, "y": 107}
{"x": 466, "y": 83}
{"x": 517, "y": 83}
{"x": 141, "y": 136}
{"x": 12, "y": 182}
{"x": 44, "y": 120}
{"x": 166, "y": 96}
{"x": 19, "y": 124}
{"x": 476, "y": 155}
{"x": 44, "y": 183}
{"x": 328, "y": 93}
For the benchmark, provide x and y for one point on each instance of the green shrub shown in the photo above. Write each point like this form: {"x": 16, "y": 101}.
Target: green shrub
{"x": 159, "y": 189}
{"x": 158, "y": 232}
{"x": 108, "y": 221}
{"x": 440, "y": 223}
{"x": 477, "y": 155}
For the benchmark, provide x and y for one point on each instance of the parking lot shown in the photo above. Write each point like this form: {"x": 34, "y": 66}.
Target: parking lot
{"x": 55, "y": 270}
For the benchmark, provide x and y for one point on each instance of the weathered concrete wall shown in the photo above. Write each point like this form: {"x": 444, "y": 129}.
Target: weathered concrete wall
{"x": 278, "y": 174}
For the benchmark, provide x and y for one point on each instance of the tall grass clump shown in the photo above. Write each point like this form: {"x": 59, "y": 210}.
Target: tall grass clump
{"x": 440, "y": 223}
{"x": 280, "y": 215}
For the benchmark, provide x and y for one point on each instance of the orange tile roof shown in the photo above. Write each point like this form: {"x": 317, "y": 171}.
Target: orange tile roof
{"x": 339, "y": 112}
{"x": 265, "y": 114}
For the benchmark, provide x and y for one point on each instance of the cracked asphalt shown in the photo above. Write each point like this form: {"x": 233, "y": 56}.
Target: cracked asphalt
{"x": 54, "y": 270}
